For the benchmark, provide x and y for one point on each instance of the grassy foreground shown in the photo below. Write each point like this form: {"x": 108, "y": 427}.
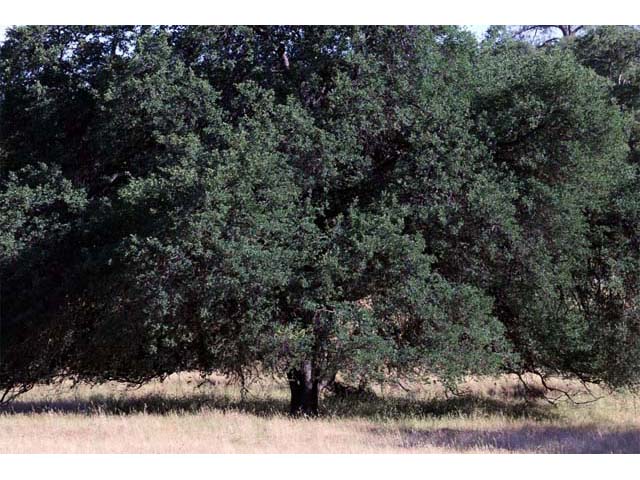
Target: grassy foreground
{"x": 178, "y": 416}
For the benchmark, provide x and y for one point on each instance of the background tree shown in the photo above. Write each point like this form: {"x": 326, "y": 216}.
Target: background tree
{"x": 561, "y": 145}
{"x": 543, "y": 35}
{"x": 612, "y": 275}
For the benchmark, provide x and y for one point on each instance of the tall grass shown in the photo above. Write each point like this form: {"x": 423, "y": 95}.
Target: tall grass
{"x": 491, "y": 415}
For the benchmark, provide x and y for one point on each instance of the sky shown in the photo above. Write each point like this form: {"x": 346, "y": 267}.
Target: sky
{"x": 478, "y": 30}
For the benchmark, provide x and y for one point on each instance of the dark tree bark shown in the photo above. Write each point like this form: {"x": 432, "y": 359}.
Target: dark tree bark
{"x": 304, "y": 391}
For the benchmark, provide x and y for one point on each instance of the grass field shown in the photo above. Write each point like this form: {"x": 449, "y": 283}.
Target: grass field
{"x": 177, "y": 416}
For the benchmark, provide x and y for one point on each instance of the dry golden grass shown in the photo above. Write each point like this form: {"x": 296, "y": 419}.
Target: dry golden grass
{"x": 177, "y": 417}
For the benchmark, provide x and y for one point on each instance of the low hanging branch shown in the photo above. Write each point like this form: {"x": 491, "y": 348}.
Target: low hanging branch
{"x": 562, "y": 392}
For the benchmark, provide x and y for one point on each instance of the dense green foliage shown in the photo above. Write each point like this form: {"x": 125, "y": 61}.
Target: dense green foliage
{"x": 374, "y": 201}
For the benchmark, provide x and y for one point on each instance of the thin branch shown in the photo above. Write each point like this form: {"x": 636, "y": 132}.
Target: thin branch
{"x": 563, "y": 393}
{"x": 4, "y": 395}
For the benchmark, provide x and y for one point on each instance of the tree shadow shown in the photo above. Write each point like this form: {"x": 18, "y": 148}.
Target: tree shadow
{"x": 370, "y": 407}
{"x": 534, "y": 439}
{"x": 154, "y": 404}
{"x": 374, "y": 407}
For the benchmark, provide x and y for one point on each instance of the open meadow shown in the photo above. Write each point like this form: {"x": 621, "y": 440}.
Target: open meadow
{"x": 179, "y": 415}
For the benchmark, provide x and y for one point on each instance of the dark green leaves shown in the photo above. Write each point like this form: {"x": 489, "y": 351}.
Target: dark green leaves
{"x": 395, "y": 201}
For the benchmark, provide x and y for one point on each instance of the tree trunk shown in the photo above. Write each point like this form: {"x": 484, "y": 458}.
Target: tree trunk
{"x": 304, "y": 391}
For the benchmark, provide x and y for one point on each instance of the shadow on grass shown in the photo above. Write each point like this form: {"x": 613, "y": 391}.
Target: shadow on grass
{"x": 374, "y": 407}
{"x": 154, "y": 404}
{"x": 535, "y": 439}
{"x": 370, "y": 407}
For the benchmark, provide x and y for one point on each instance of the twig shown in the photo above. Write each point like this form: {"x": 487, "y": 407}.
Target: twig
{"x": 562, "y": 392}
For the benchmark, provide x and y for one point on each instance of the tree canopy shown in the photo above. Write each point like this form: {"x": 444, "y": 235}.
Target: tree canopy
{"x": 370, "y": 201}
